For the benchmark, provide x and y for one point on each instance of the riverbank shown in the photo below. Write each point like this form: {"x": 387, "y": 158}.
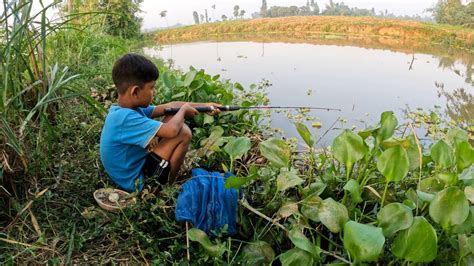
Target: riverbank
{"x": 320, "y": 26}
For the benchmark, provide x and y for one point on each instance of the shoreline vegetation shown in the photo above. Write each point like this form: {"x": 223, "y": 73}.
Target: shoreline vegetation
{"x": 369, "y": 198}
{"x": 390, "y": 32}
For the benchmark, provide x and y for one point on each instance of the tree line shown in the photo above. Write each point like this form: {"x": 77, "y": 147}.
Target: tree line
{"x": 205, "y": 18}
{"x": 454, "y": 12}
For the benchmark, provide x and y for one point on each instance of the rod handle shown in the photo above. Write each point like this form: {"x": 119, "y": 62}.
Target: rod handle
{"x": 204, "y": 109}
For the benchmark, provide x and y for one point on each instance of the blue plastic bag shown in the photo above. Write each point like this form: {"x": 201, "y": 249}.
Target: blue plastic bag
{"x": 207, "y": 204}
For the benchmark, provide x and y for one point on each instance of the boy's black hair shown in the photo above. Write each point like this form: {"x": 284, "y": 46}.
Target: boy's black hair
{"x": 133, "y": 69}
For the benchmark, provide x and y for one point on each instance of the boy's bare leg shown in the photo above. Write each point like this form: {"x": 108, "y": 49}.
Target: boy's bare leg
{"x": 174, "y": 150}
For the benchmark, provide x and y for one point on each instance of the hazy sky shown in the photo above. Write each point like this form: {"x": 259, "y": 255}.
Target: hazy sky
{"x": 181, "y": 11}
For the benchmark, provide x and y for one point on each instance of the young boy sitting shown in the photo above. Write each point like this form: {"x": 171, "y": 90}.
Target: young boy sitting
{"x": 129, "y": 128}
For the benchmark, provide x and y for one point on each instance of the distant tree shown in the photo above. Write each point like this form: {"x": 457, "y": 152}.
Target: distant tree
{"x": 242, "y": 13}
{"x": 163, "y": 15}
{"x": 315, "y": 7}
{"x": 263, "y": 8}
{"x": 453, "y": 12}
{"x": 196, "y": 17}
{"x": 236, "y": 11}
{"x": 213, "y": 11}
{"x": 224, "y": 17}
{"x": 121, "y": 17}
{"x": 255, "y": 15}
{"x": 202, "y": 18}
{"x": 207, "y": 18}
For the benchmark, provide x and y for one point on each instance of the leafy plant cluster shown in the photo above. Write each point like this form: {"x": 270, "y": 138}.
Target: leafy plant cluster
{"x": 373, "y": 196}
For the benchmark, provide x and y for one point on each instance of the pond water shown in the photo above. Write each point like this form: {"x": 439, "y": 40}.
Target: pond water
{"x": 363, "y": 82}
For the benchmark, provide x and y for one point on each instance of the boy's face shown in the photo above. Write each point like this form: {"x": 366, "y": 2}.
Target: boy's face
{"x": 145, "y": 95}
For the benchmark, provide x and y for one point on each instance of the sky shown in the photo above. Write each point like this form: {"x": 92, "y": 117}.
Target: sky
{"x": 181, "y": 11}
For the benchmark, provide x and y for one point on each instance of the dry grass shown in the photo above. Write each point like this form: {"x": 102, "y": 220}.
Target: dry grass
{"x": 396, "y": 32}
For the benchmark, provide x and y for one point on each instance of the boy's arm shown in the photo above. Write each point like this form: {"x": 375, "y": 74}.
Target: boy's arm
{"x": 172, "y": 128}
{"x": 160, "y": 109}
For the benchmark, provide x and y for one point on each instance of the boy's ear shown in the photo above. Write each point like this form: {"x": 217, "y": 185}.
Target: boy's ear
{"x": 134, "y": 90}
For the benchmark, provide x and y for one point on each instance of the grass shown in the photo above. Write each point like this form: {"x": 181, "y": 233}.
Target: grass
{"x": 402, "y": 33}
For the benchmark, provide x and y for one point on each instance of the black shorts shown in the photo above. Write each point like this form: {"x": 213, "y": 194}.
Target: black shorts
{"x": 155, "y": 169}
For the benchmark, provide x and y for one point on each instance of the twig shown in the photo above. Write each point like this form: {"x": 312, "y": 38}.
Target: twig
{"x": 24, "y": 244}
{"x": 420, "y": 159}
{"x": 245, "y": 204}
{"x": 335, "y": 256}
{"x": 143, "y": 255}
{"x": 187, "y": 243}
{"x": 27, "y": 206}
{"x": 411, "y": 64}
{"x": 324, "y": 134}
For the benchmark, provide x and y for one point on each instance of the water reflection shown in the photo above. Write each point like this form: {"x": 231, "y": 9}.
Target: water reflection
{"x": 363, "y": 79}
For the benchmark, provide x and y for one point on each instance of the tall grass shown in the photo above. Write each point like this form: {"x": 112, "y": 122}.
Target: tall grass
{"x": 35, "y": 80}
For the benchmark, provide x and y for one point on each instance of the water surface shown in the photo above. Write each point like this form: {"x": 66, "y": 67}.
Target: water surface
{"x": 363, "y": 82}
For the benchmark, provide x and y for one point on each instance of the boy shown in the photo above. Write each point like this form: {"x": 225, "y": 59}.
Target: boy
{"x": 129, "y": 128}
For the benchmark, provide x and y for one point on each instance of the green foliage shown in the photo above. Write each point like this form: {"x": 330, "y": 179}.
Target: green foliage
{"x": 454, "y": 12}
{"x": 364, "y": 242}
{"x": 449, "y": 207}
{"x": 354, "y": 188}
{"x": 302, "y": 242}
{"x": 296, "y": 256}
{"x": 348, "y": 148}
{"x": 394, "y": 217}
{"x": 305, "y": 134}
{"x": 442, "y": 154}
{"x": 394, "y": 164}
{"x": 288, "y": 179}
{"x": 276, "y": 151}
{"x": 258, "y": 252}
{"x": 201, "y": 237}
{"x": 417, "y": 243}
{"x": 333, "y": 215}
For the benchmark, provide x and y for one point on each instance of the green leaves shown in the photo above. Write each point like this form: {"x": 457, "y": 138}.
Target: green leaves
{"x": 201, "y": 237}
{"x": 237, "y": 147}
{"x": 394, "y": 217}
{"x": 464, "y": 155}
{"x": 296, "y": 257}
{"x": 417, "y": 243}
{"x": 449, "y": 207}
{"x": 305, "y": 134}
{"x": 442, "y": 154}
{"x": 354, "y": 188}
{"x": 394, "y": 164}
{"x": 364, "y": 242}
{"x": 333, "y": 215}
{"x": 388, "y": 123}
{"x": 301, "y": 241}
{"x": 258, "y": 252}
{"x": 276, "y": 151}
{"x": 288, "y": 179}
{"x": 236, "y": 182}
{"x": 310, "y": 207}
{"x": 189, "y": 78}
{"x": 348, "y": 148}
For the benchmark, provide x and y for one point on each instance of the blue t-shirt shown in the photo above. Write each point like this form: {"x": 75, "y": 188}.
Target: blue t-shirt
{"x": 125, "y": 135}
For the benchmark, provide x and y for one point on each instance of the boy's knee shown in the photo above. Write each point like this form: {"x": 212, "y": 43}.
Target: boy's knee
{"x": 186, "y": 133}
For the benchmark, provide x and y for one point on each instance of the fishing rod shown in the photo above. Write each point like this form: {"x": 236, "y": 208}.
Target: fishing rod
{"x": 207, "y": 109}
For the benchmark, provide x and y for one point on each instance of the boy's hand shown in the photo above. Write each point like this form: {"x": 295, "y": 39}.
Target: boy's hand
{"x": 189, "y": 111}
{"x": 216, "y": 110}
